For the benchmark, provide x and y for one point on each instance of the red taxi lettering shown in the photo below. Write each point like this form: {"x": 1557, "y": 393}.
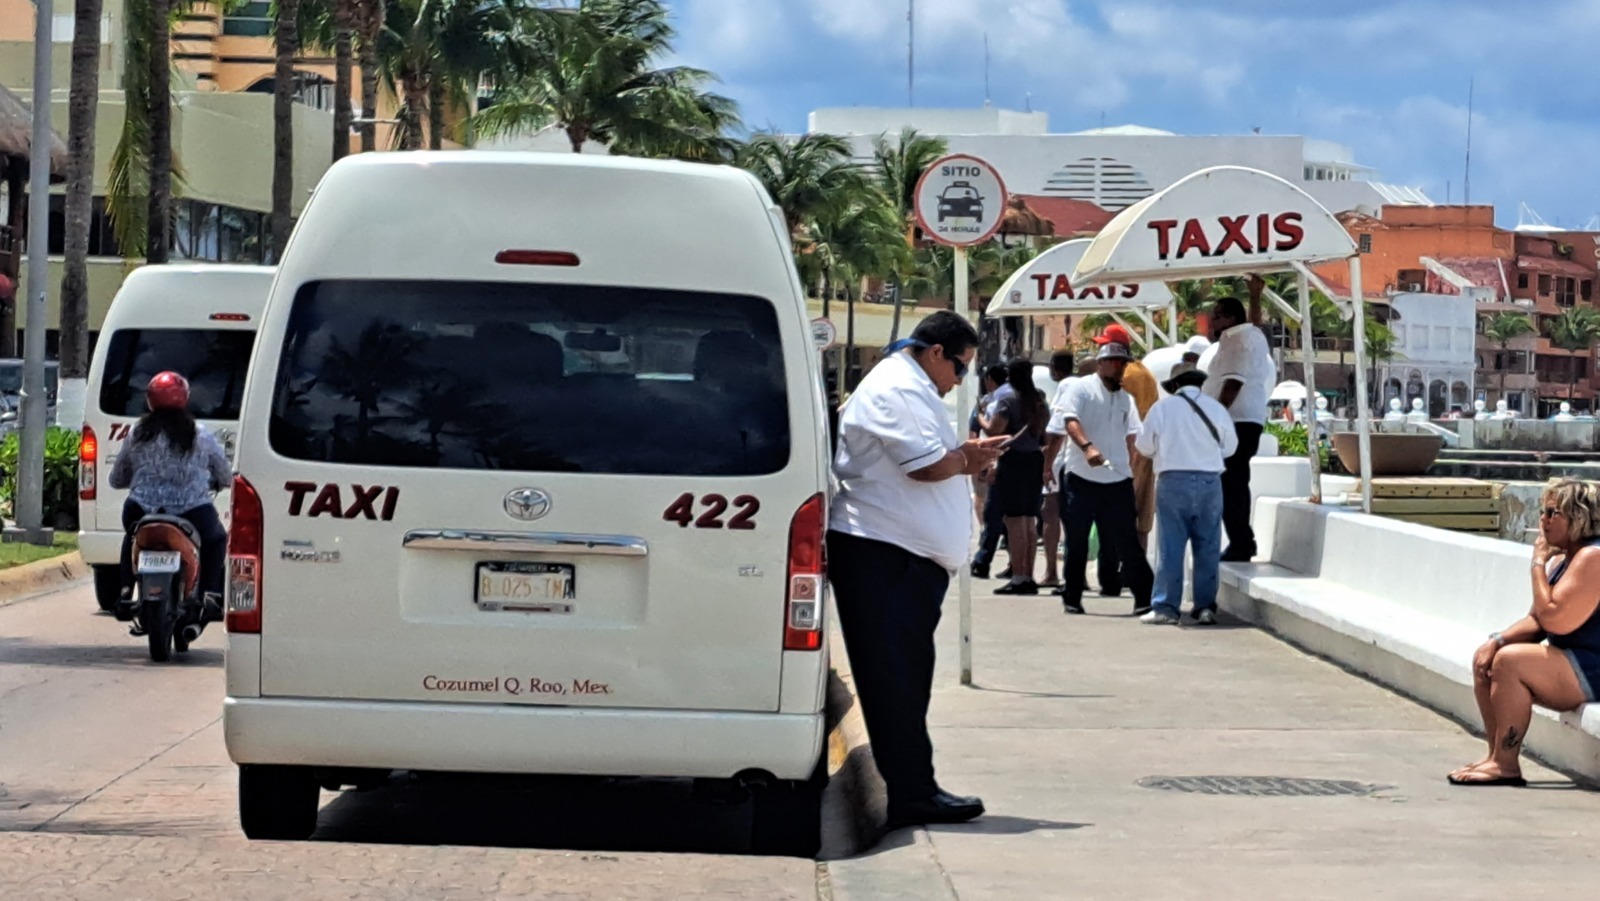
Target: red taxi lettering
{"x": 1232, "y": 234}
{"x": 1055, "y": 287}
{"x": 120, "y": 431}
{"x": 329, "y": 501}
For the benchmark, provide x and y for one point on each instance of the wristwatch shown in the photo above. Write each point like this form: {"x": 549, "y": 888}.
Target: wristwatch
{"x": 1498, "y": 638}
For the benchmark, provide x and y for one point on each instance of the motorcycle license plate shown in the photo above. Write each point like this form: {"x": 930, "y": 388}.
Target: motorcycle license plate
{"x": 158, "y": 561}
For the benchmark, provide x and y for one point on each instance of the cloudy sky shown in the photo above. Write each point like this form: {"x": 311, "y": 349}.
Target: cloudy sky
{"x": 1390, "y": 79}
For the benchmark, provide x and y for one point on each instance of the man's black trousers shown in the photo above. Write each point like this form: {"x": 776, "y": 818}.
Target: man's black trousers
{"x": 889, "y": 601}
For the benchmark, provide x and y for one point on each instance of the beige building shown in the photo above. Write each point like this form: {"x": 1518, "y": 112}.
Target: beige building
{"x": 221, "y": 135}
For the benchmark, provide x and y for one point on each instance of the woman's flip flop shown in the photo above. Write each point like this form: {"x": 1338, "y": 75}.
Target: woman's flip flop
{"x": 1505, "y": 781}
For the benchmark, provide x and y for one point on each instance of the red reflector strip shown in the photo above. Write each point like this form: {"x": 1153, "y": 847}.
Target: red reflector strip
{"x": 230, "y": 317}
{"x": 536, "y": 258}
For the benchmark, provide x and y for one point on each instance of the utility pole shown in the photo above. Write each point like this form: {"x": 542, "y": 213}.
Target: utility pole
{"x": 1466, "y": 181}
{"x": 30, "y": 457}
{"x": 911, "y": 53}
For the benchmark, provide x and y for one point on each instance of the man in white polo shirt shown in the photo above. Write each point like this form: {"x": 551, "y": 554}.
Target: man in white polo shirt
{"x": 1098, "y": 421}
{"x": 1240, "y": 378}
{"x": 901, "y": 523}
{"x": 1187, "y": 437}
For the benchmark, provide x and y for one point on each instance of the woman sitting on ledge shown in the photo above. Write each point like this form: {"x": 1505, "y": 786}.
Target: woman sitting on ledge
{"x": 1551, "y": 656}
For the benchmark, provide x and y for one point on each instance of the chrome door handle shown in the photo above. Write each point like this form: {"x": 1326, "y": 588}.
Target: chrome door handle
{"x": 563, "y": 542}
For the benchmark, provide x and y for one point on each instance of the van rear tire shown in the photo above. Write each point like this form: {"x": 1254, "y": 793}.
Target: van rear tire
{"x": 787, "y": 819}
{"x": 277, "y": 803}
{"x": 107, "y": 587}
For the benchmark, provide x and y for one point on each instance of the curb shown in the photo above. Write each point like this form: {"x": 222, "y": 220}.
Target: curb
{"x": 854, "y": 803}
{"x": 41, "y": 576}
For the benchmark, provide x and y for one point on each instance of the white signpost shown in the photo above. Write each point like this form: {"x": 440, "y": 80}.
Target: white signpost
{"x": 961, "y": 201}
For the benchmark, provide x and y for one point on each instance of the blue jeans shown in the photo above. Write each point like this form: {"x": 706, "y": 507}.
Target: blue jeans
{"x": 1188, "y": 511}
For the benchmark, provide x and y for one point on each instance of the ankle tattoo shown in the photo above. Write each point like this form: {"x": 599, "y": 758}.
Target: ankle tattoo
{"x": 1512, "y": 740}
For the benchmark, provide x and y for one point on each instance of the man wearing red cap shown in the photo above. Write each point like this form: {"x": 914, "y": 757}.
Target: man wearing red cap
{"x": 1140, "y": 384}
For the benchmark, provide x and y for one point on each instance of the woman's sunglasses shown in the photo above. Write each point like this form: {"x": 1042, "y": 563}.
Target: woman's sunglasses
{"x": 1549, "y": 513}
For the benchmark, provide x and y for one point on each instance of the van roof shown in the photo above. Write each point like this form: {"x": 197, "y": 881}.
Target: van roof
{"x": 447, "y": 214}
{"x": 191, "y": 272}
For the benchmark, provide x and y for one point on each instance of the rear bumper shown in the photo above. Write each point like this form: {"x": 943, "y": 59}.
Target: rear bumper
{"x": 100, "y": 548}
{"x": 481, "y": 738}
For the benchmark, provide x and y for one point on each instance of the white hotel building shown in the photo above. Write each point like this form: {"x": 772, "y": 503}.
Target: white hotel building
{"x": 1116, "y": 167}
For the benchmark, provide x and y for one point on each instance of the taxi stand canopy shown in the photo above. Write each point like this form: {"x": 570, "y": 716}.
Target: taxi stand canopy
{"x": 1218, "y": 222}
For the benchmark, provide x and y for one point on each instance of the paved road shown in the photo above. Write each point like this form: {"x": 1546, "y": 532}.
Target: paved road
{"x": 114, "y": 783}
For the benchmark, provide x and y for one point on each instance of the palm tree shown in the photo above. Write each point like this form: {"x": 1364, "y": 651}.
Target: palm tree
{"x": 856, "y": 239}
{"x": 368, "y": 22}
{"x": 900, "y": 167}
{"x": 1503, "y": 329}
{"x": 344, "y": 37}
{"x": 158, "y": 221}
{"x": 81, "y": 108}
{"x": 1575, "y": 329}
{"x": 286, "y": 45}
{"x": 803, "y": 175}
{"x": 1380, "y": 347}
{"x": 592, "y": 73}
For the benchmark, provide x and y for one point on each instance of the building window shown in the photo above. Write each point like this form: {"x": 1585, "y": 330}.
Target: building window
{"x": 1522, "y": 279}
{"x": 102, "y": 236}
{"x": 213, "y": 233}
{"x": 251, "y": 20}
{"x": 1366, "y": 243}
{"x": 1586, "y": 289}
{"x": 1544, "y": 285}
{"x": 1108, "y": 183}
{"x": 1566, "y": 292}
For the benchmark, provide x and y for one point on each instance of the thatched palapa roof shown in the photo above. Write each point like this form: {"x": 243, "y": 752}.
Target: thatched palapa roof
{"x": 16, "y": 134}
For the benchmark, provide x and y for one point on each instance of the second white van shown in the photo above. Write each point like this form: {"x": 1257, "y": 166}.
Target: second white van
{"x": 198, "y": 320}
{"x": 533, "y": 479}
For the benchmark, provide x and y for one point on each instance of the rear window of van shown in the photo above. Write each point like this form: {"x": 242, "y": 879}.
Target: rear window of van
{"x": 213, "y": 360}
{"x": 556, "y": 378}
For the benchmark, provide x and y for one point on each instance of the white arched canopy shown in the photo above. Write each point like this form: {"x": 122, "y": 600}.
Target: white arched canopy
{"x": 1045, "y": 287}
{"x": 1230, "y": 221}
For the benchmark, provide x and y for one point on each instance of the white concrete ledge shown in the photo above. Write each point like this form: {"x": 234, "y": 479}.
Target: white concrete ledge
{"x": 1402, "y": 604}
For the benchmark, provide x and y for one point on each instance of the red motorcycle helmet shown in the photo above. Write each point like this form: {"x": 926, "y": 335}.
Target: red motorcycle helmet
{"x": 168, "y": 391}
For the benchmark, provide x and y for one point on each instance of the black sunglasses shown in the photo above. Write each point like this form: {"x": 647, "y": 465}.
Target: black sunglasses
{"x": 959, "y": 364}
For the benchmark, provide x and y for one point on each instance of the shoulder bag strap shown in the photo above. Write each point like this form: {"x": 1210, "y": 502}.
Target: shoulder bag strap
{"x": 1215, "y": 436}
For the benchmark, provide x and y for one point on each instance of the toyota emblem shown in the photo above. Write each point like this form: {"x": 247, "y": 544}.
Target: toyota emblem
{"x": 527, "y": 504}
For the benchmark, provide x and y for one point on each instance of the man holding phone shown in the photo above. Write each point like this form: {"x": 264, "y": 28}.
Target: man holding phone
{"x": 1098, "y": 422}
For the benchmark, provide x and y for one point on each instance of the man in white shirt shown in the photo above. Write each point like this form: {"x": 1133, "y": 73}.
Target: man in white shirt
{"x": 1097, "y": 421}
{"x": 1187, "y": 435}
{"x": 1240, "y": 378}
{"x": 900, "y": 524}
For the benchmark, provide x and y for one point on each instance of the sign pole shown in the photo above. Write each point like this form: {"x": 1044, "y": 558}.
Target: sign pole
{"x": 30, "y": 475}
{"x": 964, "y": 401}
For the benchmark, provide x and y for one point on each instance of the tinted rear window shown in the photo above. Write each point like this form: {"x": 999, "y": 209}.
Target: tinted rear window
{"x": 561, "y": 378}
{"x": 214, "y": 361}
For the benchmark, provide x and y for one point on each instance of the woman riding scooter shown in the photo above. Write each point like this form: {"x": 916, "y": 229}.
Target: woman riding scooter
{"x": 172, "y": 464}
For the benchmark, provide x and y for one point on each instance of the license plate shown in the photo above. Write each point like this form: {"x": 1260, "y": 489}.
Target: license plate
{"x": 526, "y": 587}
{"x": 158, "y": 561}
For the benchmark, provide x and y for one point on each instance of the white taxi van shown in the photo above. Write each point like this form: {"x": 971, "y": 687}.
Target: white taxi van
{"x": 533, "y": 479}
{"x": 198, "y": 320}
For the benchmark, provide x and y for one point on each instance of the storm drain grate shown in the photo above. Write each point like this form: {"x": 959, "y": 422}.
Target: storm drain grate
{"x": 1260, "y": 786}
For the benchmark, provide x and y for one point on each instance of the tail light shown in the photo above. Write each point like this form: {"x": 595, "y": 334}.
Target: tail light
{"x": 802, "y": 613}
{"x": 88, "y": 464}
{"x": 244, "y": 559}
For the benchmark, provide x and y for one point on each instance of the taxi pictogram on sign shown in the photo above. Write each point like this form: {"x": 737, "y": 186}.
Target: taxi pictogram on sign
{"x": 961, "y": 200}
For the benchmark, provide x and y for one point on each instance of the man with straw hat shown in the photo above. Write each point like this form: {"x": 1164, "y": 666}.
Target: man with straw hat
{"x": 1189, "y": 436}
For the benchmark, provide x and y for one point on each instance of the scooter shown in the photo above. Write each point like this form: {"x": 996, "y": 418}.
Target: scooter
{"x": 166, "y": 607}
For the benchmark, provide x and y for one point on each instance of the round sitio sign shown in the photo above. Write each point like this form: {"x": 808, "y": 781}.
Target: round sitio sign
{"x": 960, "y": 200}
{"x": 823, "y": 333}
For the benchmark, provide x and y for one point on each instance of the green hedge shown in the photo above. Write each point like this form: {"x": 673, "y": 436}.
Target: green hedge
{"x": 60, "y": 476}
{"x": 1292, "y": 442}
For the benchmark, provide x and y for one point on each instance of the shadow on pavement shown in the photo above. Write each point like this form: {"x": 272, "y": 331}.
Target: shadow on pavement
{"x": 135, "y": 652}
{"x": 1036, "y": 694}
{"x": 999, "y": 824}
{"x": 540, "y": 812}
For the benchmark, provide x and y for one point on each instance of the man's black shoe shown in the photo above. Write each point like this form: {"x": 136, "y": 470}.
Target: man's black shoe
{"x": 1141, "y": 609}
{"x": 979, "y": 571}
{"x": 1238, "y": 556}
{"x": 943, "y": 807}
{"x": 1070, "y": 606}
{"x": 1029, "y": 587}
{"x": 1110, "y": 592}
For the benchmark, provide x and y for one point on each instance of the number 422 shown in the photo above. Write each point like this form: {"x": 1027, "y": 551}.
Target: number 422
{"x": 682, "y": 512}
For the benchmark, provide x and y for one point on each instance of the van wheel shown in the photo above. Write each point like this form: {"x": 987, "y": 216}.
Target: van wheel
{"x": 107, "y": 587}
{"x": 788, "y": 817}
{"x": 277, "y": 803}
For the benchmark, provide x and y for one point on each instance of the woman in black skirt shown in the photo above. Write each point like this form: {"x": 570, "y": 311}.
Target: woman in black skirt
{"x": 1018, "y": 485}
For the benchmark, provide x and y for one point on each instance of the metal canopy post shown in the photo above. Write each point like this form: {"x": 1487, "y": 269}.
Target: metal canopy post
{"x": 1152, "y": 329}
{"x": 1309, "y": 355}
{"x": 1132, "y": 331}
{"x": 1363, "y": 402}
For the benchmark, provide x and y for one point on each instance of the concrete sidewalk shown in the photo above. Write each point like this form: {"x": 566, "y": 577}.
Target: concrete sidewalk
{"x": 1069, "y": 715}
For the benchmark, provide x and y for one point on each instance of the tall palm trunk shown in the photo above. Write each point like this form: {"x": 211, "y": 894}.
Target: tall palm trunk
{"x": 159, "y": 220}
{"x": 81, "y": 108}
{"x": 436, "y": 104}
{"x": 416, "y": 103}
{"x": 343, "y": 41}
{"x": 371, "y": 25}
{"x": 286, "y": 42}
